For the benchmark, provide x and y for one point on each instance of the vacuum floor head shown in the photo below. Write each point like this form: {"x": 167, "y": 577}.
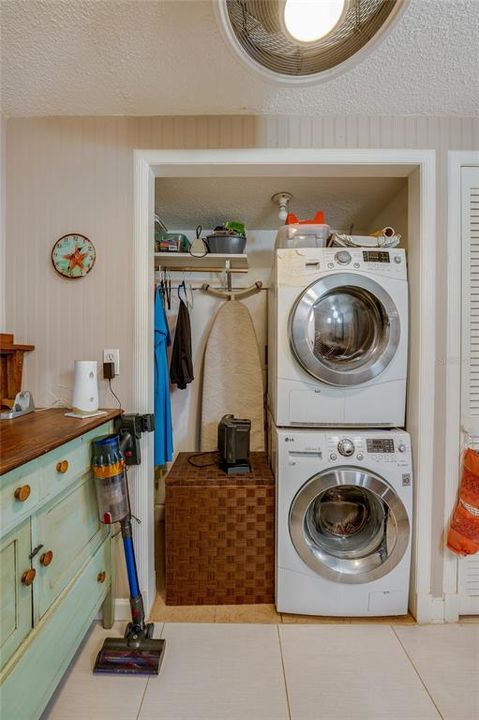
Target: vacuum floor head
{"x": 120, "y": 655}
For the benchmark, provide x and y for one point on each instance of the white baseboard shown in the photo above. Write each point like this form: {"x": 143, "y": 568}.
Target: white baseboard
{"x": 429, "y": 609}
{"x": 451, "y": 607}
{"x": 122, "y": 609}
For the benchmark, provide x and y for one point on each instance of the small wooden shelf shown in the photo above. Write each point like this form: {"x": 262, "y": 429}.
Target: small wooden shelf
{"x": 11, "y": 368}
{"x": 211, "y": 262}
{"x": 8, "y": 346}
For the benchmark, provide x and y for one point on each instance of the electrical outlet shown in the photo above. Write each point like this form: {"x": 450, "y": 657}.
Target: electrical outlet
{"x": 114, "y": 357}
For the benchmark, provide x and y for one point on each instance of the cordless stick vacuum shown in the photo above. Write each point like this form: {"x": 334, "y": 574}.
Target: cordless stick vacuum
{"x": 137, "y": 652}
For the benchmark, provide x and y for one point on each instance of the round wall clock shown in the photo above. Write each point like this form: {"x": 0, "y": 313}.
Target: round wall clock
{"x": 73, "y": 255}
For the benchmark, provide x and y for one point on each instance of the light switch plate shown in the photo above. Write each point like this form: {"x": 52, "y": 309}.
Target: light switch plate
{"x": 114, "y": 357}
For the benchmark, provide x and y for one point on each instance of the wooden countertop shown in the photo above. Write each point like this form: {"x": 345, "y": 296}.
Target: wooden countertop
{"x": 27, "y": 437}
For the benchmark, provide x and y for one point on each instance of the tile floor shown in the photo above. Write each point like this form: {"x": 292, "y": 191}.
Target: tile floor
{"x": 292, "y": 671}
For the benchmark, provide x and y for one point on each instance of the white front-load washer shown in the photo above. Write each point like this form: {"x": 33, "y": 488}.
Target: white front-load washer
{"x": 338, "y": 337}
{"x": 343, "y": 521}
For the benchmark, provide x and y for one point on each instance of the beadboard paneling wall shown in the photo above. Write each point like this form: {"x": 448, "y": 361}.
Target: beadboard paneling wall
{"x": 3, "y": 168}
{"x": 76, "y": 174}
{"x": 67, "y": 174}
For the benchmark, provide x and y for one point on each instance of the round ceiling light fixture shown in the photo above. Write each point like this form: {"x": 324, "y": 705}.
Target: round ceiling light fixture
{"x": 303, "y": 41}
{"x": 309, "y": 20}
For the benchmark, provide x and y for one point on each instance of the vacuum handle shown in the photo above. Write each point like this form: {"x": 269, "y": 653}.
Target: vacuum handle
{"x": 125, "y": 441}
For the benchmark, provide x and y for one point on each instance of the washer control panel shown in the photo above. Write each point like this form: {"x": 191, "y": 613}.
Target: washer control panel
{"x": 369, "y": 449}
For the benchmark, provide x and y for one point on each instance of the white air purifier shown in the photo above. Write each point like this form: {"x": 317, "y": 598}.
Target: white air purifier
{"x": 85, "y": 387}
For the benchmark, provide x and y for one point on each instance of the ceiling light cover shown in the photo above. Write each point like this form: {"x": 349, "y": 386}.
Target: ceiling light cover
{"x": 257, "y": 28}
{"x": 310, "y": 20}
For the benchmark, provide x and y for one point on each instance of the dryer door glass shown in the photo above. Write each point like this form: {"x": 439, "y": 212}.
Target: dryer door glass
{"x": 344, "y": 329}
{"x": 349, "y": 525}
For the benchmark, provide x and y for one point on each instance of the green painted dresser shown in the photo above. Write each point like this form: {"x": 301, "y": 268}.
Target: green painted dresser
{"x": 55, "y": 555}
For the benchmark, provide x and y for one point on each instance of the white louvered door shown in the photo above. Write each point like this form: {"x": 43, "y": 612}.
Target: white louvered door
{"x": 468, "y": 568}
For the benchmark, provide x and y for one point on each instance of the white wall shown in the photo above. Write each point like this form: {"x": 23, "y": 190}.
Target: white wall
{"x": 394, "y": 215}
{"x": 3, "y": 174}
{"x": 67, "y": 174}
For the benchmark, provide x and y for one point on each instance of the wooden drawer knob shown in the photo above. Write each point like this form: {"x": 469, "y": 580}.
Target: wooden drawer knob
{"x": 28, "y": 576}
{"x": 62, "y": 466}
{"x": 101, "y": 577}
{"x": 22, "y": 493}
{"x": 46, "y": 558}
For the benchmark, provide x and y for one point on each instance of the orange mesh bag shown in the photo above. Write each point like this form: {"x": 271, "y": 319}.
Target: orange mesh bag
{"x": 463, "y": 535}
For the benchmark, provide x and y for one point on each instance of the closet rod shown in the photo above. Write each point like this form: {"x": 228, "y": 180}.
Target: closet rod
{"x": 199, "y": 288}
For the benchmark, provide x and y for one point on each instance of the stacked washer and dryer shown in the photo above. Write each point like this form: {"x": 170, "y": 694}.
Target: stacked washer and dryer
{"x": 338, "y": 345}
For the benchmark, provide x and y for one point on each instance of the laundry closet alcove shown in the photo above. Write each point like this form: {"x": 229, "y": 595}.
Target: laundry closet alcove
{"x": 366, "y": 188}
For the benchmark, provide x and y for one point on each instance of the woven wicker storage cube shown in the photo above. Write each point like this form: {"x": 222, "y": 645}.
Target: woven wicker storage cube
{"x": 219, "y": 534}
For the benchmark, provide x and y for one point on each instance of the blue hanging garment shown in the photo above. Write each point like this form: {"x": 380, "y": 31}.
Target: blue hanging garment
{"x": 163, "y": 426}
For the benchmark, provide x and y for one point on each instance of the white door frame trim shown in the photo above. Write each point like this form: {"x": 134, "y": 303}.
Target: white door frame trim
{"x": 149, "y": 164}
{"x": 457, "y": 159}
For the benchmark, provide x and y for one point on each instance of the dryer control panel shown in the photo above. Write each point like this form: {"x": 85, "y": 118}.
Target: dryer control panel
{"x": 308, "y": 263}
{"x": 387, "y": 262}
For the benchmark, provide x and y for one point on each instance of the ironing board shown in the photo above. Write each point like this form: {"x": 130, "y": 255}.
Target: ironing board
{"x": 232, "y": 376}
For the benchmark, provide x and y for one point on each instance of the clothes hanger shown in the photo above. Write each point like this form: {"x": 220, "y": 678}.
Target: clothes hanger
{"x": 188, "y": 293}
{"x": 167, "y": 281}
{"x": 182, "y": 287}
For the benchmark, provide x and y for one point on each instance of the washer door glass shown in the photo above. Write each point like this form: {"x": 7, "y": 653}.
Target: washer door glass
{"x": 349, "y": 525}
{"x": 344, "y": 329}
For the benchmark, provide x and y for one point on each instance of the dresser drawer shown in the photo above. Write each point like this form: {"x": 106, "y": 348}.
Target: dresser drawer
{"x": 20, "y": 492}
{"x": 15, "y": 596}
{"x": 69, "y": 530}
{"x": 70, "y": 461}
{"x": 66, "y": 465}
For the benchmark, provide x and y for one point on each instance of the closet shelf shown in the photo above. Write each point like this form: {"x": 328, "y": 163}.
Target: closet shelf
{"x": 211, "y": 262}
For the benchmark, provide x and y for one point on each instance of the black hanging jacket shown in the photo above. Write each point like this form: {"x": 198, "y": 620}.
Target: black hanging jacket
{"x": 181, "y": 368}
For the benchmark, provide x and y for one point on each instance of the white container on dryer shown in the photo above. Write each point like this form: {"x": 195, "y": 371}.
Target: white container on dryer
{"x": 338, "y": 337}
{"x": 344, "y": 519}
{"x": 302, "y": 235}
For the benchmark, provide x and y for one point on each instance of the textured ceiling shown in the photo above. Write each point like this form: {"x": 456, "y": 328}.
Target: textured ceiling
{"x": 167, "y": 57}
{"x": 183, "y": 203}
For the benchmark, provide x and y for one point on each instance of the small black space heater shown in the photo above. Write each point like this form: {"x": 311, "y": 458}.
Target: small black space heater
{"x": 137, "y": 652}
{"x": 233, "y": 445}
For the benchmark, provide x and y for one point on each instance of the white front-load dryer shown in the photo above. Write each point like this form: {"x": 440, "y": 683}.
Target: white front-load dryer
{"x": 343, "y": 521}
{"x": 338, "y": 337}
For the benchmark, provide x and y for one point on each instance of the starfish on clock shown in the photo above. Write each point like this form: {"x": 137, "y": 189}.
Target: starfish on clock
{"x": 76, "y": 258}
